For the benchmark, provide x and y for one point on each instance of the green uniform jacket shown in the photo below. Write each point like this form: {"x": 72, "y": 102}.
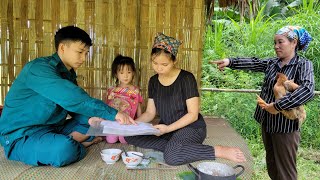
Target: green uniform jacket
{"x": 42, "y": 96}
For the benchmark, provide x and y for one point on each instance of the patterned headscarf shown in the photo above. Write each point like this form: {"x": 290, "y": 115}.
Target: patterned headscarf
{"x": 299, "y": 33}
{"x": 167, "y": 43}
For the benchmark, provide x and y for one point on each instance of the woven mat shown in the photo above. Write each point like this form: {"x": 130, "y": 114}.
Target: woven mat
{"x": 92, "y": 166}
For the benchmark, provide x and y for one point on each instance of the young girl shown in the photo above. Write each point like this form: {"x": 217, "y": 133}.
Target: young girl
{"x": 125, "y": 97}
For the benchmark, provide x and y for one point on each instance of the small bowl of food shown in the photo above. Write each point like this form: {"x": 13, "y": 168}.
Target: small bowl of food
{"x": 133, "y": 159}
{"x": 110, "y": 156}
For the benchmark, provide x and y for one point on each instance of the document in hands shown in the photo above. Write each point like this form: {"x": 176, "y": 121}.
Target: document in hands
{"x": 114, "y": 128}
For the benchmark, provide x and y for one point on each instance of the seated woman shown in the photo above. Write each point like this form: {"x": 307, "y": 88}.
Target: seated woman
{"x": 173, "y": 94}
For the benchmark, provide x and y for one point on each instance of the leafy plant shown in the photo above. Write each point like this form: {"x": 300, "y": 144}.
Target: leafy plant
{"x": 255, "y": 39}
{"x": 286, "y": 8}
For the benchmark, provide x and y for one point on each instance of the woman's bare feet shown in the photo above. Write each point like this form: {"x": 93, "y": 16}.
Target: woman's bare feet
{"x": 94, "y": 141}
{"x": 230, "y": 153}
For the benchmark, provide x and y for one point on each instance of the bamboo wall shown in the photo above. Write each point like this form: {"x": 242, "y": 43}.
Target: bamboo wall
{"x": 128, "y": 27}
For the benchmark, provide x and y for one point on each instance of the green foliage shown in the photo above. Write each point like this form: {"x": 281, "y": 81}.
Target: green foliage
{"x": 239, "y": 108}
{"x": 235, "y": 39}
{"x": 255, "y": 39}
{"x": 187, "y": 175}
{"x": 222, "y": 13}
{"x": 282, "y": 9}
{"x": 257, "y": 26}
{"x": 310, "y": 135}
{"x": 311, "y": 21}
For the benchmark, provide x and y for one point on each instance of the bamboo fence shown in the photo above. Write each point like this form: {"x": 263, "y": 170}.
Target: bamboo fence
{"x": 126, "y": 27}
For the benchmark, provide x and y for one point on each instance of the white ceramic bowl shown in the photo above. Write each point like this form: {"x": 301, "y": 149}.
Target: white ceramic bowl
{"x": 110, "y": 156}
{"x": 131, "y": 160}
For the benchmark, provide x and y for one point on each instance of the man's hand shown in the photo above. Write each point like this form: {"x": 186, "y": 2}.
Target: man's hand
{"x": 95, "y": 121}
{"x": 123, "y": 118}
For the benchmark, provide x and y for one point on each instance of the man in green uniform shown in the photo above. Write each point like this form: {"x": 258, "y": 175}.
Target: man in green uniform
{"x": 33, "y": 125}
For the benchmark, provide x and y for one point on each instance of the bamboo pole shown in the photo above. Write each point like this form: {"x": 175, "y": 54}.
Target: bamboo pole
{"x": 239, "y": 90}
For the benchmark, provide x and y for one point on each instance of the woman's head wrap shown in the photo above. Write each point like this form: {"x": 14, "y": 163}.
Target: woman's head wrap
{"x": 299, "y": 33}
{"x": 167, "y": 43}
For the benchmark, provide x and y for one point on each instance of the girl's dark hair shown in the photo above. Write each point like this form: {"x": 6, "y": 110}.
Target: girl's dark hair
{"x": 118, "y": 63}
{"x": 71, "y": 33}
{"x": 157, "y": 51}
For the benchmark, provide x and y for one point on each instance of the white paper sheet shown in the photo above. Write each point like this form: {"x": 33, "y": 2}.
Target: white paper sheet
{"x": 114, "y": 128}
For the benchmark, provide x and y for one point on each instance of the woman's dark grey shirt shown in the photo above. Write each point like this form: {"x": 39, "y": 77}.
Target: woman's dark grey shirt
{"x": 170, "y": 101}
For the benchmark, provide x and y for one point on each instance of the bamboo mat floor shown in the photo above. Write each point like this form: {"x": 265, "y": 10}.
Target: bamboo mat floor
{"x": 92, "y": 166}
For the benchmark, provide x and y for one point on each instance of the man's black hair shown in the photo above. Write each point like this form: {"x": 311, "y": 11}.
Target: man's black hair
{"x": 71, "y": 33}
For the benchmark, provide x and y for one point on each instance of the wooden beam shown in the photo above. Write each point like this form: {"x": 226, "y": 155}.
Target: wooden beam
{"x": 239, "y": 90}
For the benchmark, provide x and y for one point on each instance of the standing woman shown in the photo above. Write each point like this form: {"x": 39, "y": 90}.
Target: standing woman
{"x": 281, "y": 136}
{"x": 173, "y": 95}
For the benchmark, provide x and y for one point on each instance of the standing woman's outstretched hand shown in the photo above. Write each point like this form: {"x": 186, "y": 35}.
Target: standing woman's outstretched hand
{"x": 221, "y": 63}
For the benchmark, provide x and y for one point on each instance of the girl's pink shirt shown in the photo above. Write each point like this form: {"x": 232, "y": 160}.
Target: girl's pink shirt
{"x": 124, "y": 99}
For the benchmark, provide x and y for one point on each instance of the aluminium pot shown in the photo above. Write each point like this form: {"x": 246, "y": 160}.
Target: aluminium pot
{"x": 215, "y": 171}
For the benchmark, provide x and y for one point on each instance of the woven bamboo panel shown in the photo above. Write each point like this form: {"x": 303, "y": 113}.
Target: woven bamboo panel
{"x": 127, "y": 27}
